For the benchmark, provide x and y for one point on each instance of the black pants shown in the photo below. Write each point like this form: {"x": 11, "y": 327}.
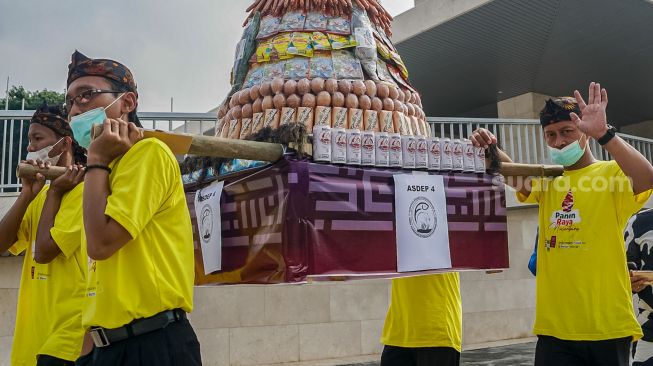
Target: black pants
{"x": 551, "y": 351}
{"x": 174, "y": 345}
{"x": 423, "y": 356}
{"x": 46, "y": 360}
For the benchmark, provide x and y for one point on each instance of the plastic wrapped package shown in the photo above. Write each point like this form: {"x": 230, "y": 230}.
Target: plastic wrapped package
{"x": 346, "y": 65}
{"x": 280, "y": 44}
{"x": 263, "y": 51}
{"x": 274, "y": 70}
{"x": 382, "y": 71}
{"x": 292, "y": 21}
{"x": 321, "y": 65}
{"x": 300, "y": 44}
{"x": 398, "y": 77}
{"x": 339, "y": 25}
{"x": 320, "y": 41}
{"x": 316, "y": 21}
{"x": 296, "y": 68}
{"x": 366, "y": 50}
{"x": 255, "y": 76}
{"x": 339, "y": 41}
{"x": 237, "y": 165}
{"x": 269, "y": 26}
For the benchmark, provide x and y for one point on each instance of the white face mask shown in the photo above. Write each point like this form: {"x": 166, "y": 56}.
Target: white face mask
{"x": 43, "y": 155}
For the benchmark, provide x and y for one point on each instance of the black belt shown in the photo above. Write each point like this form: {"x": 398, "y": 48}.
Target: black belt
{"x": 103, "y": 337}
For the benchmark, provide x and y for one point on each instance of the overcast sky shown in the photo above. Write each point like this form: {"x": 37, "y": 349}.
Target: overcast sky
{"x": 179, "y": 49}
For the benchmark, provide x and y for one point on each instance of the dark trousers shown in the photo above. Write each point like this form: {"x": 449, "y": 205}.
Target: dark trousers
{"x": 46, "y": 360}
{"x": 551, "y": 351}
{"x": 423, "y": 356}
{"x": 174, "y": 345}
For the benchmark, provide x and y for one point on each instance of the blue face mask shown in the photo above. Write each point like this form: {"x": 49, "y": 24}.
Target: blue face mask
{"x": 568, "y": 155}
{"x": 82, "y": 124}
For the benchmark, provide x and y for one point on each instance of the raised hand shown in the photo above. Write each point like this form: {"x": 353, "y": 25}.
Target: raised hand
{"x": 594, "y": 122}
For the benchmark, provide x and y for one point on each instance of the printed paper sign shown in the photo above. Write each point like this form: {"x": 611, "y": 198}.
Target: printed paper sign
{"x": 421, "y": 218}
{"x": 209, "y": 225}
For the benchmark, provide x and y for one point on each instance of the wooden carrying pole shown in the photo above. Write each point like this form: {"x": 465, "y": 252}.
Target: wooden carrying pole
{"x": 507, "y": 169}
{"x": 182, "y": 143}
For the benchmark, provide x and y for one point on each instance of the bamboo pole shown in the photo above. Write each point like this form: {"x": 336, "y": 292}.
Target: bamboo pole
{"x": 530, "y": 170}
{"x": 25, "y": 170}
{"x": 182, "y": 143}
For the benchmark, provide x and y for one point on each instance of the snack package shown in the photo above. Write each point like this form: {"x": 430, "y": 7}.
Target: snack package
{"x": 400, "y": 63}
{"x": 316, "y": 21}
{"x": 339, "y": 41}
{"x": 365, "y": 42}
{"x": 296, "y": 68}
{"x": 280, "y": 47}
{"x": 383, "y": 50}
{"x": 300, "y": 44}
{"x": 398, "y": 78}
{"x": 292, "y": 21}
{"x": 346, "y": 65}
{"x": 382, "y": 71}
{"x": 269, "y": 26}
{"x": 274, "y": 70}
{"x": 263, "y": 51}
{"x": 321, "y": 65}
{"x": 320, "y": 41}
{"x": 339, "y": 25}
{"x": 237, "y": 165}
{"x": 255, "y": 75}
{"x": 366, "y": 51}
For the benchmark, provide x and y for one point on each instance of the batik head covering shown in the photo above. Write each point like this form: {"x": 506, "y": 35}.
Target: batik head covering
{"x": 81, "y": 65}
{"x": 558, "y": 109}
{"x": 53, "y": 118}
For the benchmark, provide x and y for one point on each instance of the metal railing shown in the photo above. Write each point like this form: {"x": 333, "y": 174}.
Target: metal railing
{"x": 522, "y": 139}
{"x": 15, "y": 124}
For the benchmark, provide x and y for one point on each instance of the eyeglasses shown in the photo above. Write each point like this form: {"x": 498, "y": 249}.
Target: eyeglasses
{"x": 86, "y": 96}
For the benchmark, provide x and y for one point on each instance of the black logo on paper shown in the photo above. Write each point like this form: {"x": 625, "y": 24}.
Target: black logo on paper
{"x": 422, "y": 217}
{"x": 206, "y": 223}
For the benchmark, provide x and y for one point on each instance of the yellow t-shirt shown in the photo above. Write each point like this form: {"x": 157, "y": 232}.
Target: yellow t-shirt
{"x": 154, "y": 271}
{"x": 583, "y": 288}
{"x": 51, "y": 296}
{"x": 425, "y": 311}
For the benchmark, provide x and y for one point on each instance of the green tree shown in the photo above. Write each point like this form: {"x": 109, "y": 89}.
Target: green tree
{"x": 33, "y": 99}
{"x": 13, "y": 133}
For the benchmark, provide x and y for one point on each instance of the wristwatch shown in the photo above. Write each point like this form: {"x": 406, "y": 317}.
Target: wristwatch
{"x": 609, "y": 134}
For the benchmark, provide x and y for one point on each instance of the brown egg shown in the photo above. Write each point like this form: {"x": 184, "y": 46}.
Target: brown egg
{"x": 257, "y": 106}
{"x": 290, "y": 87}
{"x": 303, "y": 86}
{"x": 279, "y": 101}
{"x": 254, "y": 92}
{"x": 247, "y": 111}
{"x": 293, "y": 101}
{"x": 266, "y": 88}
{"x": 344, "y": 86}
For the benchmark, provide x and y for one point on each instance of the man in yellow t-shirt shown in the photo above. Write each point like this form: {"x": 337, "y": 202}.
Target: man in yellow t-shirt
{"x": 137, "y": 228}
{"x": 424, "y": 322}
{"x": 45, "y": 224}
{"x": 584, "y": 310}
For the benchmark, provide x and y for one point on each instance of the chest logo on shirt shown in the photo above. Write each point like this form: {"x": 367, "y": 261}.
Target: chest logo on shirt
{"x": 567, "y": 217}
